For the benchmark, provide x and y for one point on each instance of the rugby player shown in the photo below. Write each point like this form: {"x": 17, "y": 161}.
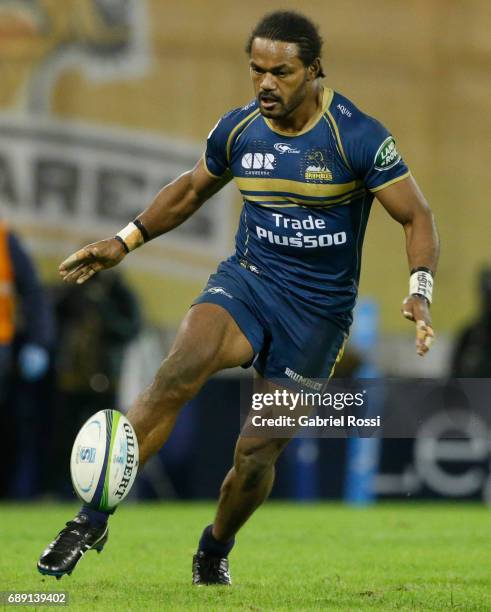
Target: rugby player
{"x": 308, "y": 164}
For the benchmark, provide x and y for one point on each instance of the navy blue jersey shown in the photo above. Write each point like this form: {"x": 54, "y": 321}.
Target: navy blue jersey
{"x": 307, "y": 196}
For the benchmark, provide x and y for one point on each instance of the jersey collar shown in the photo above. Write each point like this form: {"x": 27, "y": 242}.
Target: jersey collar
{"x": 327, "y": 96}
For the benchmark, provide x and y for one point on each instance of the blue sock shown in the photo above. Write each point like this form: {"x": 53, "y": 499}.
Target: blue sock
{"x": 211, "y": 546}
{"x": 97, "y": 518}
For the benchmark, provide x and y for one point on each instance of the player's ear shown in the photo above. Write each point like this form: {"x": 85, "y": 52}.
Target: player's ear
{"x": 314, "y": 70}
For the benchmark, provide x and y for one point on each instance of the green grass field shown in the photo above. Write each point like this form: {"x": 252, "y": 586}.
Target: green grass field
{"x": 289, "y": 557}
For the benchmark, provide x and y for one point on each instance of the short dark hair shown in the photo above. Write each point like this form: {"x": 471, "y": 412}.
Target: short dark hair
{"x": 290, "y": 26}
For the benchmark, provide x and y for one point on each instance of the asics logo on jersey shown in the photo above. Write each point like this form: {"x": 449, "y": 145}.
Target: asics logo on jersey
{"x": 283, "y": 148}
{"x": 258, "y": 161}
{"x": 215, "y": 290}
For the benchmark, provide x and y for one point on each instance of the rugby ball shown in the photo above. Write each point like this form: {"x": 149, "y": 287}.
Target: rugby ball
{"x": 104, "y": 460}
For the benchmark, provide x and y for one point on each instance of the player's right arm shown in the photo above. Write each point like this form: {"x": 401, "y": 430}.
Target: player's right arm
{"x": 180, "y": 199}
{"x": 171, "y": 206}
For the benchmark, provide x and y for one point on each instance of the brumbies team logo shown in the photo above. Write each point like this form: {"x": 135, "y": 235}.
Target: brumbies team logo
{"x": 387, "y": 155}
{"x": 317, "y": 169}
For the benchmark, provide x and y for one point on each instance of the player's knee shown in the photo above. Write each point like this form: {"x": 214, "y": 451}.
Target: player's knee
{"x": 254, "y": 460}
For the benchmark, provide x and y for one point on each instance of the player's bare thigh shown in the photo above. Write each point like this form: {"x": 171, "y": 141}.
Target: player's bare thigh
{"x": 208, "y": 340}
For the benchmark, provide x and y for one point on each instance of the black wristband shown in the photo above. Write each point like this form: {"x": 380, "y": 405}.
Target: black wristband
{"x": 422, "y": 269}
{"x": 125, "y": 246}
{"x": 143, "y": 230}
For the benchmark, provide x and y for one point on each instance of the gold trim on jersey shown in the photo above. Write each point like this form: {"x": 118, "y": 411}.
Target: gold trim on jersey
{"x": 234, "y": 131}
{"x": 327, "y": 96}
{"x": 284, "y": 205}
{"x": 297, "y": 201}
{"x": 247, "y": 126}
{"x": 337, "y": 136}
{"x": 296, "y": 188}
{"x": 339, "y": 356}
{"x": 288, "y": 205}
{"x": 396, "y": 180}
{"x": 246, "y": 243}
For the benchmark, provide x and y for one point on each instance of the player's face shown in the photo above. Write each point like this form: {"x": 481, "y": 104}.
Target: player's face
{"x": 279, "y": 77}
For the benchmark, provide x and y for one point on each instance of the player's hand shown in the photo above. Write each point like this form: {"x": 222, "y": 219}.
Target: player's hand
{"x": 416, "y": 308}
{"x": 83, "y": 264}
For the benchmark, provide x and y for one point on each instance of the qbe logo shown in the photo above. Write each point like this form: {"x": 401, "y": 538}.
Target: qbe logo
{"x": 258, "y": 161}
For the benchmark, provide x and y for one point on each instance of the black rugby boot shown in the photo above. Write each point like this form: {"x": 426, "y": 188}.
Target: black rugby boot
{"x": 210, "y": 570}
{"x": 69, "y": 546}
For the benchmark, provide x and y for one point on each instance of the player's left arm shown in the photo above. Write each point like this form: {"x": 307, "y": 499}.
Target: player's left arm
{"x": 406, "y": 204}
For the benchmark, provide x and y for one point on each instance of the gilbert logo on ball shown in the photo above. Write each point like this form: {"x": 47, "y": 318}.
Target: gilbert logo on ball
{"x": 104, "y": 460}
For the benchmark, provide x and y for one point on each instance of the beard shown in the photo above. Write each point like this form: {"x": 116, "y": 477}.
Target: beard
{"x": 280, "y": 109}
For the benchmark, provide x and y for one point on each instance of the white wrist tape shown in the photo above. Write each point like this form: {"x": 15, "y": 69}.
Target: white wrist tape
{"x": 421, "y": 283}
{"x": 131, "y": 236}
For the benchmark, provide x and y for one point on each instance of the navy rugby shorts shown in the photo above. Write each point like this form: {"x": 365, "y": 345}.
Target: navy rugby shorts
{"x": 289, "y": 340}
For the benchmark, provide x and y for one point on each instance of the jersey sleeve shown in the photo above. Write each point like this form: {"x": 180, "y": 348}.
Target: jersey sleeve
{"x": 370, "y": 150}
{"x": 215, "y": 157}
{"x": 377, "y": 158}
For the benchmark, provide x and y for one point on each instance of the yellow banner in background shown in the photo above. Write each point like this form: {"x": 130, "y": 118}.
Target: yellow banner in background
{"x": 75, "y": 181}
{"x": 42, "y": 40}
{"x": 65, "y": 182}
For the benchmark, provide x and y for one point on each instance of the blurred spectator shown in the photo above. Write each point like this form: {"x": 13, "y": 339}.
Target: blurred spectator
{"x": 26, "y": 336}
{"x": 472, "y": 353}
{"x": 23, "y": 306}
{"x": 96, "y": 322}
